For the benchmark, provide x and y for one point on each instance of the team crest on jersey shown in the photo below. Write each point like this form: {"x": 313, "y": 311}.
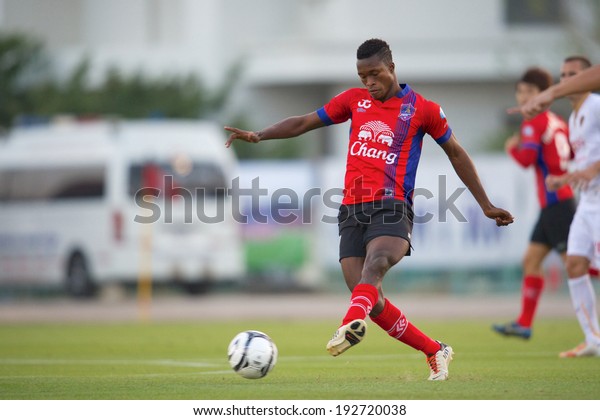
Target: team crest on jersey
{"x": 528, "y": 131}
{"x": 407, "y": 111}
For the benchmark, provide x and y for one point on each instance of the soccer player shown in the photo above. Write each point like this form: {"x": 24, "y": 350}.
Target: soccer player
{"x": 542, "y": 143}
{"x": 585, "y": 81}
{"x": 584, "y": 236}
{"x": 388, "y": 123}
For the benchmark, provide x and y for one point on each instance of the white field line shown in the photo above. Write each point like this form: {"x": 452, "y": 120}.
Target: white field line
{"x": 215, "y": 367}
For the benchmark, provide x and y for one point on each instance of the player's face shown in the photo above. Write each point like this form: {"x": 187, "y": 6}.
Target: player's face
{"x": 570, "y": 69}
{"x": 378, "y": 77}
{"x": 524, "y": 92}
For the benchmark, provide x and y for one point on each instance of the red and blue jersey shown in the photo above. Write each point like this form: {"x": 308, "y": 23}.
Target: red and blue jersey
{"x": 545, "y": 144}
{"x": 386, "y": 139}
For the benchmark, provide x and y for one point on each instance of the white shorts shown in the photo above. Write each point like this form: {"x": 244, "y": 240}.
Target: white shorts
{"x": 584, "y": 233}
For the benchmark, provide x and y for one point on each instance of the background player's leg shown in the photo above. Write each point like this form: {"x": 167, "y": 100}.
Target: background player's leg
{"x": 531, "y": 290}
{"x": 584, "y": 302}
{"x": 533, "y": 281}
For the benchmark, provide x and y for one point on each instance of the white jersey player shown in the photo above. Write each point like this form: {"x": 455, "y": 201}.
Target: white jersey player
{"x": 583, "y": 248}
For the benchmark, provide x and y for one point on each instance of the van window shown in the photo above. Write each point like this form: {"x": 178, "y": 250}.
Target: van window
{"x": 47, "y": 184}
{"x": 198, "y": 178}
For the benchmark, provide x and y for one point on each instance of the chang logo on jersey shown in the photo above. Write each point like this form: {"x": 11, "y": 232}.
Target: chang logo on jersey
{"x": 376, "y": 132}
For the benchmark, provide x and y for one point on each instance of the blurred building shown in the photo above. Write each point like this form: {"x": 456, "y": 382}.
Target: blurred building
{"x": 297, "y": 54}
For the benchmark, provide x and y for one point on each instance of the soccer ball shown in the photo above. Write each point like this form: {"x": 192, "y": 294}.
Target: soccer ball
{"x": 252, "y": 354}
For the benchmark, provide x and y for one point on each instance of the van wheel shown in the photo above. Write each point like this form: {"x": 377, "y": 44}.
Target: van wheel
{"x": 79, "y": 282}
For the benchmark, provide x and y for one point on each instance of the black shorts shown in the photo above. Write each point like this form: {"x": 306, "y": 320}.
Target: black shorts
{"x": 552, "y": 227}
{"x": 359, "y": 223}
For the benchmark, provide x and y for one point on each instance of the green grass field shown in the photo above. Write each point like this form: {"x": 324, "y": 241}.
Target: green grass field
{"x": 188, "y": 361}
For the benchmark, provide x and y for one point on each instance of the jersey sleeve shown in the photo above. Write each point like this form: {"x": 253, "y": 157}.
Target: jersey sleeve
{"x": 337, "y": 110}
{"x": 436, "y": 124}
{"x": 524, "y": 156}
{"x": 527, "y": 151}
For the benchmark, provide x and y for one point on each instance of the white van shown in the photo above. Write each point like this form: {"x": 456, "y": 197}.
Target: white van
{"x": 89, "y": 203}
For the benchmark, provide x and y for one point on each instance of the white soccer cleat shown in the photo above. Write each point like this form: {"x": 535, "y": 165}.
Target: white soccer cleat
{"x": 347, "y": 336}
{"x": 582, "y": 350}
{"x": 439, "y": 362}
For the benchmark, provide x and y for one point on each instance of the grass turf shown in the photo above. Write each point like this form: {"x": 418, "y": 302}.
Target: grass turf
{"x": 188, "y": 361}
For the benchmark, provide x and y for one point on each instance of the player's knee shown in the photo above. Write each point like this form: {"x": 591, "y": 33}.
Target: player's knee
{"x": 577, "y": 266}
{"x": 380, "y": 261}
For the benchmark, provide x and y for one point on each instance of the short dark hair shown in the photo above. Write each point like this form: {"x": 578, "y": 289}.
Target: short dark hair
{"x": 537, "y": 76}
{"x": 585, "y": 62}
{"x": 377, "y": 47}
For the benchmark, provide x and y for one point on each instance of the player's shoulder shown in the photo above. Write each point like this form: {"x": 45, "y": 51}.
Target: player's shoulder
{"x": 352, "y": 94}
{"x": 540, "y": 120}
{"x": 355, "y": 92}
{"x": 594, "y": 100}
{"x": 425, "y": 104}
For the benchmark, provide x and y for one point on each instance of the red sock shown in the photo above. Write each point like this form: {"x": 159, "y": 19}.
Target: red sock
{"x": 393, "y": 321}
{"x": 530, "y": 295}
{"x": 364, "y": 297}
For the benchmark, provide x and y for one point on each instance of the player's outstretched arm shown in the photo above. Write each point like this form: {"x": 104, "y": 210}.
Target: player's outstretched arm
{"x": 465, "y": 169}
{"x": 587, "y": 80}
{"x": 284, "y": 129}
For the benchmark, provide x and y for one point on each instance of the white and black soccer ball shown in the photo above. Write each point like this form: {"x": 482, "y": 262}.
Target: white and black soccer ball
{"x": 252, "y": 354}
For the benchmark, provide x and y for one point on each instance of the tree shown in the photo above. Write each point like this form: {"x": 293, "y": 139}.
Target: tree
{"x": 22, "y": 62}
{"x": 28, "y": 89}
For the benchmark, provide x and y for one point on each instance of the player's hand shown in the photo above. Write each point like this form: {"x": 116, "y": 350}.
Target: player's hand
{"x": 501, "y": 216}
{"x": 554, "y": 182}
{"x": 237, "y": 134}
{"x": 581, "y": 179}
{"x": 535, "y": 105}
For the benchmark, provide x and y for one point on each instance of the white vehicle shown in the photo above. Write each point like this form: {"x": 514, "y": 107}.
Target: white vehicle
{"x": 86, "y": 204}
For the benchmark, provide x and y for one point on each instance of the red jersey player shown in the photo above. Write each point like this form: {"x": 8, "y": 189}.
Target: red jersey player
{"x": 388, "y": 123}
{"x": 542, "y": 143}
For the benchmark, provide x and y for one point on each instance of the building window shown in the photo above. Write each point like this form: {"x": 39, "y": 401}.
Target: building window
{"x": 533, "y": 12}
